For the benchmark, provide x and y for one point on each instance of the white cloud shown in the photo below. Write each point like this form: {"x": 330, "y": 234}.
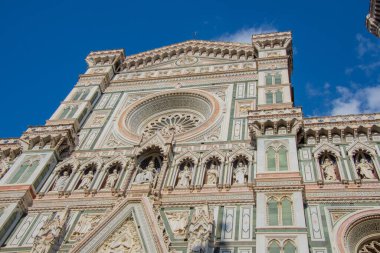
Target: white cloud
{"x": 316, "y": 91}
{"x": 365, "y": 100}
{"x": 367, "y": 46}
{"x": 245, "y": 34}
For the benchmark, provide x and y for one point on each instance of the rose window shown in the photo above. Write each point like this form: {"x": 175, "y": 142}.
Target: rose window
{"x": 175, "y": 123}
{"x": 186, "y": 114}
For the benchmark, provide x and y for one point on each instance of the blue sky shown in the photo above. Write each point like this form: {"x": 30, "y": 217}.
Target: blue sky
{"x": 43, "y": 45}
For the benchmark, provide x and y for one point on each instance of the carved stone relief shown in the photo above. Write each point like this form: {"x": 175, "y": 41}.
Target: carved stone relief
{"x": 125, "y": 239}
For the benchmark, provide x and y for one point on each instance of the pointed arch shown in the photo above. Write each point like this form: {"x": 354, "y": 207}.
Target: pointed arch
{"x": 274, "y": 247}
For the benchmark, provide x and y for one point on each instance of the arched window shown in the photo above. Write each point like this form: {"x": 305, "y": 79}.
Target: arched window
{"x": 84, "y": 94}
{"x": 286, "y": 211}
{"x": 268, "y": 79}
{"x": 280, "y": 212}
{"x": 64, "y": 112}
{"x": 278, "y": 97}
{"x": 271, "y": 159}
{"x": 72, "y": 111}
{"x": 273, "y": 212}
{"x": 283, "y": 158}
{"x": 277, "y": 78}
{"x": 277, "y": 158}
{"x": 269, "y": 97}
{"x": 77, "y": 95}
{"x": 24, "y": 172}
{"x": 274, "y": 247}
{"x": 289, "y": 247}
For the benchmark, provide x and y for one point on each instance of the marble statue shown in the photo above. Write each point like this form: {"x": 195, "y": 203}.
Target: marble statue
{"x": 178, "y": 222}
{"x": 365, "y": 169}
{"x": 85, "y": 224}
{"x": 329, "y": 170}
{"x": 146, "y": 175}
{"x": 212, "y": 174}
{"x": 240, "y": 173}
{"x": 61, "y": 181}
{"x": 184, "y": 177}
{"x": 112, "y": 179}
{"x": 124, "y": 240}
{"x": 86, "y": 180}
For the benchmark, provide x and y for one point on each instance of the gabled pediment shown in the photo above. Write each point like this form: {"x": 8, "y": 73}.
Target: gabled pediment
{"x": 125, "y": 229}
{"x": 326, "y": 146}
{"x": 189, "y": 53}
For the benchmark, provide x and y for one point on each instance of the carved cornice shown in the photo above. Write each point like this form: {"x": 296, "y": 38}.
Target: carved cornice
{"x": 106, "y": 57}
{"x": 56, "y": 135}
{"x": 10, "y": 148}
{"x": 271, "y": 40}
{"x": 343, "y": 120}
{"x": 192, "y": 47}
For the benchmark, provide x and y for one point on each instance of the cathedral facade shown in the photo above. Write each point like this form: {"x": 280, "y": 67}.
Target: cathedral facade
{"x": 192, "y": 147}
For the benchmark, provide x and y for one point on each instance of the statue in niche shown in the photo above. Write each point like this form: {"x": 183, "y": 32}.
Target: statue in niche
{"x": 86, "y": 180}
{"x": 123, "y": 240}
{"x": 184, "y": 177}
{"x": 365, "y": 169}
{"x": 178, "y": 222}
{"x": 61, "y": 181}
{"x": 85, "y": 224}
{"x": 146, "y": 175}
{"x": 112, "y": 179}
{"x": 240, "y": 173}
{"x": 212, "y": 174}
{"x": 329, "y": 170}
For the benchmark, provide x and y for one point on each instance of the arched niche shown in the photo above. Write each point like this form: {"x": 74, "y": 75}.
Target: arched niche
{"x": 240, "y": 169}
{"x": 364, "y": 165}
{"x": 328, "y": 163}
{"x": 212, "y": 168}
{"x": 112, "y": 176}
{"x": 184, "y": 173}
{"x": 87, "y": 176}
{"x": 149, "y": 164}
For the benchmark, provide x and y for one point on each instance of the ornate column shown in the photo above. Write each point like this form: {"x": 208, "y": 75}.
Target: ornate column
{"x": 161, "y": 176}
{"x": 200, "y": 176}
{"x": 99, "y": 179}
{"x": 128, "y": 178}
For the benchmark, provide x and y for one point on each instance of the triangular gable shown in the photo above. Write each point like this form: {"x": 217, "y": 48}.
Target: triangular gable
{"x": 117, "y": 159}
{"x": 71, "y": 161}
{"x": 96, "y": 160}
{"x": 214, "y": 152}
{"x": 156, "y": 140}
{"x": 326, "y": 146}
{"x": 187, "y": 154}
{"x": 210, "y": 52}
{"x": 358, "y": 145}
{"x": 241, "y": 151}
{"x": 120, "y": 217}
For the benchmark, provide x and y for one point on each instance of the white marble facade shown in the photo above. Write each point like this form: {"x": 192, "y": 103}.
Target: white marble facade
{"x": 193, "y": 147}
